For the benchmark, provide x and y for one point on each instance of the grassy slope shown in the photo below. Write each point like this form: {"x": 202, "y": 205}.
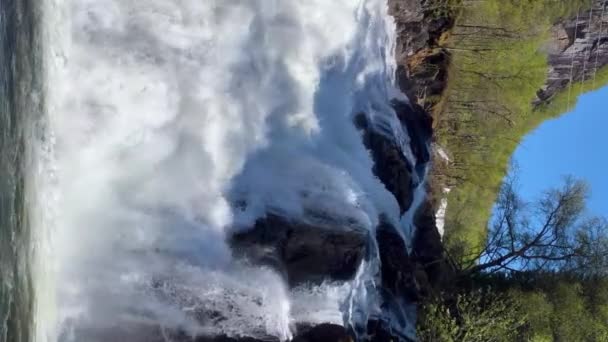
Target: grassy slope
{"x": 498, "y": 65}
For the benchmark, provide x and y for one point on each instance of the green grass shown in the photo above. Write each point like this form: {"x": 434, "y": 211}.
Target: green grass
{"x": 497, "y": 66}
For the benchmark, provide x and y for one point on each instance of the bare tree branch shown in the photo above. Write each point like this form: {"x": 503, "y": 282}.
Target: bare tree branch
{"x": 550, "y": 237}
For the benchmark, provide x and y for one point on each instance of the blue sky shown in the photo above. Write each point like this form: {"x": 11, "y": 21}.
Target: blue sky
{"x": 575, "y": 144}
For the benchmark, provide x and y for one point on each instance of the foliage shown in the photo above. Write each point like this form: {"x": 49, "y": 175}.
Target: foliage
{"x": 563, "y": 309}
{"x": 541, "y": 276}
{"x": 538, "y": 310}
{"x": 548, "y": 234}
{"x": 538, "y": 307}
{"x": 498, "y": 64}
{"x": 436, "y": 9}
{"x": 478, "y": 316}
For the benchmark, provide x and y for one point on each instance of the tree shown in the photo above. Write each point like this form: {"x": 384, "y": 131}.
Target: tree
{"x": 551, "y": 234}
{"x": 476, "y": 316}
{"x": 542, "y": 275}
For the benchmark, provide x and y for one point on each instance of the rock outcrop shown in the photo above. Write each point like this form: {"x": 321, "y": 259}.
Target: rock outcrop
{"x": 422, "y": 64}
{"x": 432, "y": 270}
{"x": 399, "y": 286}
{"x": 578, "y": 48}
{"x": 422, "y": 74}
{"x": 325, "y": 332}
{"x": 303, "y": 251}
{"x": 390, "y": 164}
{"x": 397, "y": 271}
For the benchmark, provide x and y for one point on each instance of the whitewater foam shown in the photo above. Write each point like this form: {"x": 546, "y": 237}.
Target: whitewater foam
{"x": 171, "y": 123}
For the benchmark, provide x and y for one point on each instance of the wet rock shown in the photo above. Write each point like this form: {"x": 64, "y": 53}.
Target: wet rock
{"x": 397, "y": 270}
{"x": 229, "y": 339}
{"x": 390, "y": 164}
{"x": 399, "y": 291}
{"x": 421, "y": 72}
{"x": 419, "y": 127}
{"x": 304, "y": 252}
{"x": 432, "y": 267}
{"x": 378, "y": 331}
{"x": 325, "y": 333}
{"x": 320, "y": 333}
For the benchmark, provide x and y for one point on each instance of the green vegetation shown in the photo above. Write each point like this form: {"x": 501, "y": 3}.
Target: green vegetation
{"x": 541, "y": 308}
{"x": 541, "y": 276}
{"x": 514, "y": 274}
{"x": 498, "y": 64}
{"x": 478, "y": 316}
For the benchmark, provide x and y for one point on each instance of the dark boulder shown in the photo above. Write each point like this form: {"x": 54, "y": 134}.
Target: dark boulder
{"x": 302, "y": 251}
{"x": 390, "y": 164}
{"x": 229, "y": 339}
{"x": 379, "y": 331}
{"x": 397, "y": 270}
{"x": 428, "y": 251}
{"x": 399, "y": 289}
{"x": 324, "y": 333}
{"x": 419, "y": 127}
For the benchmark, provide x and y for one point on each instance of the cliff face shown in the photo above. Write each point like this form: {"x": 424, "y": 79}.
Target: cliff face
{"x": 578, "y": 48}
{"x": 422, "y": 63}
{"x": 422, "y": 74}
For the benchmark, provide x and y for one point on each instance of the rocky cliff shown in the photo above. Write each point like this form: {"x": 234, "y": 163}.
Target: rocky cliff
{"x": 422, "y": 63}
{"x": 578, "y": 48}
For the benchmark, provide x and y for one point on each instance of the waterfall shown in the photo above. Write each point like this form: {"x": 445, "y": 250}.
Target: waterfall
{"x": 171, "y": 124}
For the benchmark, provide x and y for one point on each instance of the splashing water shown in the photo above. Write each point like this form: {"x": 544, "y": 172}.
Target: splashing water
{"x": 164, "y": 113}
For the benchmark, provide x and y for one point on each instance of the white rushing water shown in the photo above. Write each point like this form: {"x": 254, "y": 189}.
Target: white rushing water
{"x": 164, "y": 113}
